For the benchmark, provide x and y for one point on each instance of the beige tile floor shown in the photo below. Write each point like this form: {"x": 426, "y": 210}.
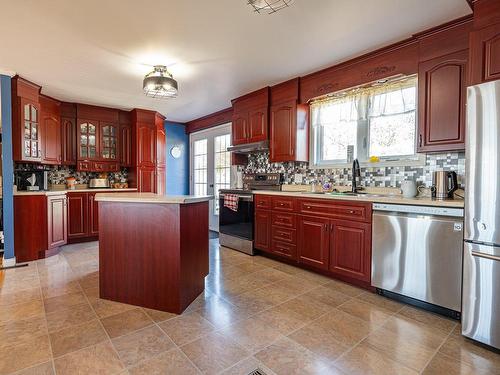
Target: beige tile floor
{"x": 255, "y": 313}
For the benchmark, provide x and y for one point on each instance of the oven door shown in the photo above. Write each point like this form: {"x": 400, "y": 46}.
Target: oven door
{"x": 237, "y": 223}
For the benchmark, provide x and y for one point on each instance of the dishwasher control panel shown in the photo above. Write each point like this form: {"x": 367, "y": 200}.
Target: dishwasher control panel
{"x": 419, "y": 210}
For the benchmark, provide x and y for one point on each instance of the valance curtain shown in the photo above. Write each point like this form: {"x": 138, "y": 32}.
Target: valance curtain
{"x": 383, "y": 100}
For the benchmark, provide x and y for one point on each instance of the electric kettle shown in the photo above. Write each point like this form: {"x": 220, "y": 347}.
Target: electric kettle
{"x": 444, "y": 184}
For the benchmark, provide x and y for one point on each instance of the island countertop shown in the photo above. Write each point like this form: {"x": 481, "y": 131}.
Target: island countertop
{"x": 152, "y": 198}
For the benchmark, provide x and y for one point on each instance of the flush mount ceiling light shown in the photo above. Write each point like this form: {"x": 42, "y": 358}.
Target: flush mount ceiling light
{"x": 160, "y": 83}
{"x": 269, "y": 6}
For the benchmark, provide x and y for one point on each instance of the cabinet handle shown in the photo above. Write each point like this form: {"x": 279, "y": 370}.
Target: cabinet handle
{"x": 326, "y": 227}
{"x": 420, "y": 140}
{"x": 331, "y": 227}
{"x": 351, "y": 211}
{"x": 308, "y": 207}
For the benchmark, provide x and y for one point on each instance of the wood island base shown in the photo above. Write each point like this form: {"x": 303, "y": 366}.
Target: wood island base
{"x": 153, "y": 255}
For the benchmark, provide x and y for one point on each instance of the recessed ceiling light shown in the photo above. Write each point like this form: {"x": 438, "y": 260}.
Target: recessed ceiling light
{"x": 159, "y": 83}
{"x": 269, "y": 6}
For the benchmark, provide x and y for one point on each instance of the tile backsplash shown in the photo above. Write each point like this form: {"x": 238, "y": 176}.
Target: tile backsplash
{"x": 58, "y": 174}
{"x": 371, "y": 176}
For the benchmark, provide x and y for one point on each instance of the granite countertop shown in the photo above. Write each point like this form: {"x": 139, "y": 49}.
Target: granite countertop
{"x": 152, "y": 198}
{"x": 374, "y": 198}
{"x": 59, "y": 192}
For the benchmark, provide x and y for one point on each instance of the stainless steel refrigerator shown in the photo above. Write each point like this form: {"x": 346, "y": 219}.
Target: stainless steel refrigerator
{"x": 481, "y": 277}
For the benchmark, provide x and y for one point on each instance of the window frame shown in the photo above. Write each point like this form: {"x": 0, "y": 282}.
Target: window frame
{"x": 362, "y": 144}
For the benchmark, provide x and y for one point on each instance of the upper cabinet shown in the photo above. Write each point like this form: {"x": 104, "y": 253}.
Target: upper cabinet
{"x": 26, "y": 137}
{"x": 442, "y": 80}
{"x": 97, "y": 138}
{"x": 50, "y": 130}
{"x": 485, "y": 42}
{"x": 442, "y": 92}
{"x": 250, "y": 117}
{"x": 125, "y": 139}
{"x": 289, "y": 128}
{"x": 68, "y": 133}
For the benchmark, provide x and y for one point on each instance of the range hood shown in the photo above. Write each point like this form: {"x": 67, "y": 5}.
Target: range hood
{"x": 249, "y": 148}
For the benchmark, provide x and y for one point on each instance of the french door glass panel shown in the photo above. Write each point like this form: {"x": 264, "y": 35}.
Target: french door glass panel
{"x": 222, "y": 164}
{"x": 211, "y": 166}
{"x": 200, "y": 167}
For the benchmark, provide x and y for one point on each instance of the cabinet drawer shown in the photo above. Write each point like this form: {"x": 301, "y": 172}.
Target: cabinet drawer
{"x": 285, "y": 220}
{"x": 106, "y": 167}
{"x": 338, "y": 209}
{"x": 84, "y": 166}
{"x": 284, "y": 235}
{"x": 283, "y": 203}
{"x": 284, "y": 249}
{"x": 262, "y": 201}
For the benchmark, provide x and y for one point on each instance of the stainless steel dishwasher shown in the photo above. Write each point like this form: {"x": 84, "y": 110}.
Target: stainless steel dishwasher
{"x": 417, "y": 255}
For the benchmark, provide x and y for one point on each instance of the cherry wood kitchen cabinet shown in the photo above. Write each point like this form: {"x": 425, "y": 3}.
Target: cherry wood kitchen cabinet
{"x": 350, "y": 249}
{"x": 161, "y": 156}
{"x": 239, "y": 127}
{"x": 57, "y": 219}
{"x": 485, "y": 54}
{"x": 329, "y": 235}
{"x": 93, "y": 207}
{"x": 313, "y": 242}
{"x": 68, "y": 133}
{"x": 250, "y": 118}
{"x": 442, "y": 95}
{"x": 78, "y": 222}
{"x": 289, "y": 124}
{"x": 40, "y": 225}
{"x": 26, "y": 132}
{"x": 50, "y": 130}
{"x": 149, "y": 149}
{"x": 262, "y": 229}
{"x": 125, "y": 139}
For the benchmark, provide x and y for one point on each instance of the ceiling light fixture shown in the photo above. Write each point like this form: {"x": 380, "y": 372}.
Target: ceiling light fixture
{"x": 269, "y": 6}
{"x": 159, "y": 83}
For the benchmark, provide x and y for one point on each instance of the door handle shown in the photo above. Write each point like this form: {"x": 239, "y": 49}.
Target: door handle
{"x": 485, "y": 256}
{"x": 420, "y": 140}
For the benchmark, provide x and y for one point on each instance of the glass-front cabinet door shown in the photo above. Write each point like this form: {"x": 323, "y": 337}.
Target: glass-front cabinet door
{"x": 109, "y": 134}
{"x": 31, "y": 146}
{"x": 87, "y": 142}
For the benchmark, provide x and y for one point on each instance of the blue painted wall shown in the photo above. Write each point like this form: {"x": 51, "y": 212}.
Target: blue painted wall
{"x": 7, "y": 167}
{"x": 177, "y": 169}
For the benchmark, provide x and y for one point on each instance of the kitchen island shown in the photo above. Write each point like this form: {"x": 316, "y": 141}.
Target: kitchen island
{"x": 153, "y": 249}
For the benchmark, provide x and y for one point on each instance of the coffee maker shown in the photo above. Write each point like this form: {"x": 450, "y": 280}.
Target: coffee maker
{"x": 444, "y": 184}
{"x": 32, "y": 180}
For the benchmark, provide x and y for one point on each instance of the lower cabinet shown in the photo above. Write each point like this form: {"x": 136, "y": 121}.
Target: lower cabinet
{"x": 262, "y": 230}
{"x": 40, "y": 225}
{"x": 83, "y": 217}
{"x": 313, "y": 244}
{"x": 335, "y": 238}
{"x": 57, "y": 219}
{"x": 350, "y": 249}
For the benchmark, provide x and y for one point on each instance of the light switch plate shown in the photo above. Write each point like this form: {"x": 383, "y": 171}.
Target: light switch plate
{"x": 298, "y": 178}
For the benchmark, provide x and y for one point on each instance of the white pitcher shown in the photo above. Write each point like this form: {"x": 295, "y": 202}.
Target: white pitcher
{"x": 409, "y": 188}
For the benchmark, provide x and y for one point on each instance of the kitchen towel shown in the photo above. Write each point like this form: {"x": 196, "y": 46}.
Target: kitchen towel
{"x": 231, "y": 201}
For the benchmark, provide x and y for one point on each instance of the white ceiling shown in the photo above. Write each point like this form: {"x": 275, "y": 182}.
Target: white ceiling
{"x": 97, "y": 52}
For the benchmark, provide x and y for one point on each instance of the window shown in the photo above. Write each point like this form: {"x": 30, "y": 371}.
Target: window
{"x": 222, "y": 166}
{"x": 375, "y": 121}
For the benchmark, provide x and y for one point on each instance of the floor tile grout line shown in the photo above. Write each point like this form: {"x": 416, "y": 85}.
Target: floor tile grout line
{"x": 46, "y": 321}
{"x": 438, "y": 348}
{"x": 100, "y": 323}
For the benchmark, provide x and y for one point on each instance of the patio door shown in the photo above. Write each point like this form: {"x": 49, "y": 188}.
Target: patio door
{"x": 210, "y": 166}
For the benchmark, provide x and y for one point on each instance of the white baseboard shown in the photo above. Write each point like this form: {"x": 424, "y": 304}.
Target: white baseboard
{"x": 11, "y": 262}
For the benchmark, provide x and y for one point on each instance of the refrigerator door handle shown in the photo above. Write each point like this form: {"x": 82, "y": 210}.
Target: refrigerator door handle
{"x": 486, "y": 256}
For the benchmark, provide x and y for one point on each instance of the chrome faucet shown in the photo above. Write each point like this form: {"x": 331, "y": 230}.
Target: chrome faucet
{"x": 356, "y": 172}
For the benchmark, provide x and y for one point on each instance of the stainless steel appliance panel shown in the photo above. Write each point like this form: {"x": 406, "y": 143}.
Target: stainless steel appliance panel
{"x": 419, "y": 256}
{"x": 482, "y": 202}
{"x": 481, "y": 291}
